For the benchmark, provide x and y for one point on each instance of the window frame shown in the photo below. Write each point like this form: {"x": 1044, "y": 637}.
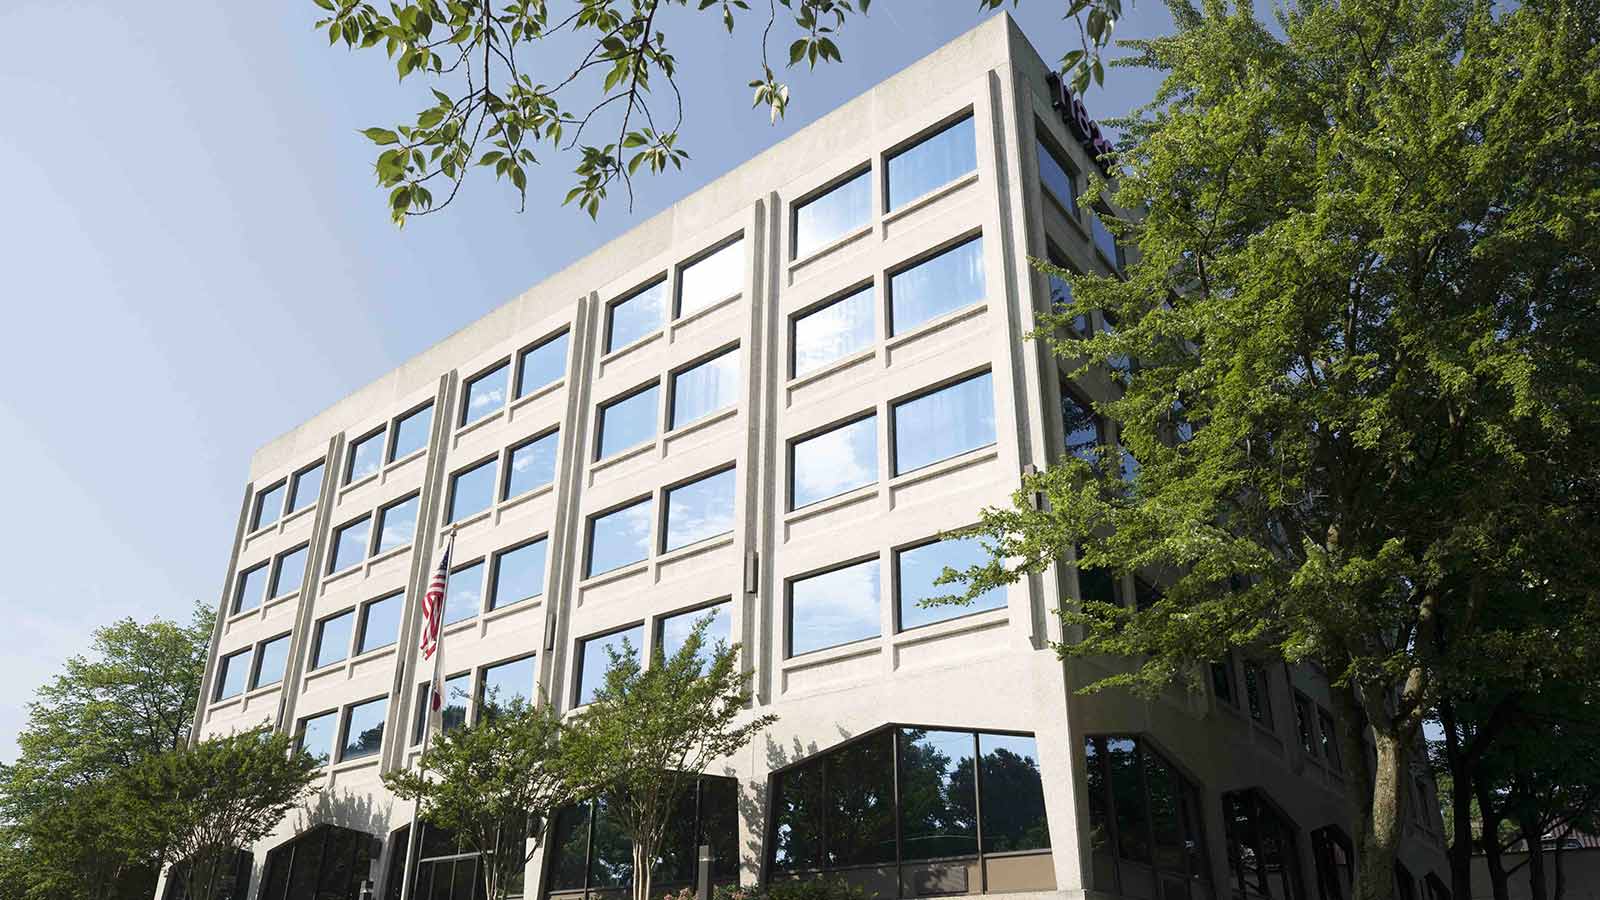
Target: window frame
{"x": 593, "y": 518}
{"x": 582, "y": 652}
{"x": 363, "y": 619}
{"x": 255, "y": 664}
{"x": 1144, "y": 744}
{"x": 256, "y": 507}
{"x": 1262, "y": 713}
{"x": 1046, "y": 141}
{"x": 317, "y": 633}
{"x": 393, "y": 442}
{"x": 849, "y": 175}
{"x": 481, "y": 374}
{"x": 658, "y": 622}
{"x": 520, "y": 389}
{"x": 481, "y": 677}
{"x": 347, "y": 476}
{"x": 868, "y": 284}
{"x": 943, "y": 248}
{"x": 381, "y": 514}
{"x": 452, "y": 484}
{"x": 875, "y": 557}
{"x": 897, "y": 583}
{"x": 291, "y": 501}
{"x": 225, "y": 666}
{"x": 675, "y": 311}
{"x": 334, "y": 542}
{"x": 792, "y": 443}
{"x": 673, "y": 374}
{"x": 273, "y": 594}
{"x": 236, "y": 606}
{"x": 663, "y": 528}
{"x": 602, "y": 407}
{"x": 342, "y": 741}
{"x": 502, "y": 491}
{"x": 961, "y": 116}
{"x": 609, "y": 312}
{"x": 492, "y": 583}
{"x": 300, "y": 734}
{"x": 1305, "y": 722}
{"x": 936, "y": 387}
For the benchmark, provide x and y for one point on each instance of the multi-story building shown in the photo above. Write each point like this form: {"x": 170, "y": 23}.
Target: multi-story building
{"x": 766, "y": 403}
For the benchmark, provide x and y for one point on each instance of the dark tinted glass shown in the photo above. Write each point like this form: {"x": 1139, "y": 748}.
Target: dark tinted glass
{"x": 411, "y": 432}
{"x": 251, "y": 589}
{"x": 271, "y": 660}
{"x": 628, "y": 422}
{"x": 570, "y": 844}
{"x": 700, "y": 509}
{"x": 708, "y": 387}
{"x": 350, "y": 544}
{"x": 717, "y": 276}
{"x": 542, "y": 365}
{"x": 290, "y": 572}
{"x": 1166, "y": 814}
{"x": 937, "y": 794}
{"x": 532, "y": 465}
{"x": 485, "y": 394}
{"x": 397, "y": 525}
{"x": 611, "y": 853}
{"x": 595, "y": 658}
{"x": 834, "y": 331}
{"x": 1013, "y": 794}
{"x": 464, "y": 593}
{"x": 921, "y": 566}
{"x": 620, "y": 537}
{"x": 518, "y": 574}
{"x": 826, "y": 218}
{"x": 380, "y": 623}
{"x": 1104, "y": 240}
{"x": 944, "y": 423}
{"x": 935, "y": 286}
{"x": 366, "y": 457}
{"x": 835, "y": 461}
{"x": 938, "y": 160}
{"x": 269, "y": 505}
{"x": 316, "y": 735}
{"x": 861, "y": 802}
{"x": 639, "y": 315}
{"x": 1081, "y": 428}
{"x": 232, "y": 672}
{"x": 797, "y": 815}
{"x": 1127, "y": 799}
{"x": 333, "y": 639}
{"x": 363, "y": 734}
{"x": 307, "y": 485}
{"x": 472, "y": 490}
{"x": 834, "y": 608}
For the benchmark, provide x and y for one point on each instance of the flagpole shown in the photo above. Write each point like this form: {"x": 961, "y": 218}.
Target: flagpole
{"x": 408, "y": 875}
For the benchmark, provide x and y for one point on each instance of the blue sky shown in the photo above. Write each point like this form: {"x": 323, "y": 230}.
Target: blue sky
{"x": 193, "y": 259}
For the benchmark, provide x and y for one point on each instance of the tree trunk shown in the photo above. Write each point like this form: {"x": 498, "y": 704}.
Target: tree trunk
{"x": 1498, "y": 880}
{"x": 1460, "y": 852}
{"x": 1561, "y": 872}
{"x": 1533, "y": 836}
{"x": 641, "y": 869}
{"x": 1380, "y": 830}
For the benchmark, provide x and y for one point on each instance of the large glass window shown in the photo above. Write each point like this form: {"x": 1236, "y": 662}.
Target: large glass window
{"x": 628, "y": 421}
{"x": 940, "y": 814}
{"x": 272, "y": 657}
{"x": 518, "y": 574}
{"x": 1008, "y": 769}
{"x": 363, "y": 729}
{"x": 920, "y": 567}
{"x": 380, "y": 623}
{"x": 472, "y": 490}
{"x": 860, "y": 803}
{"x": 350, "y": 544}
{"x": 700, "y": 510}
{"x": 289, "y": 570}
{"x": 305, "y": 488}
{"x": 411, "y": 432}
{"x": 542, "y": 364}
{"x": 533, "y": 465}
{"x": 933, "y": 162}
{"x": 464, "y": 593}
{"x": 594, "y": 658}
{"x": 1144, "y": 822}
{"x": 1104, "y": 240}
{"x": 705, "y": 388}
{"x": 636, "y": 316}
{"x": 673, "y": 631}
{"x": 620, "y": 537}
{"x": 832, "y": 215}
{"x": 716, "y": 276}
{"x": 485, "y": 394}
{"x": 1335, "y": 857}
{"x": 944, "y": 423}
{"x": 505, "y": 683}
{"x": 446, "y": 868}
{"x": 1061, "y": 292}
{"x": 937, "y": 285}
{"x": 591, "y": 852}
{"x": 316, "y": 734}
{"x": 365, "y": 457}
{"x": 834, "y": 330}
{"x": 838, "y": 460}
{"x": 332, "y": 642}
{"x": 1057, "y": 178}
{"x": 397, "y": 524}
{"x": 1262, "y": 859}
{"x": 232, "y": 672}
{"x": 457, "y": 693}
{"x": 251, "y": 588}
{"x": 269, "y": 505}
{"x": 325, "y": 863}
{"x": 833, "y": 608}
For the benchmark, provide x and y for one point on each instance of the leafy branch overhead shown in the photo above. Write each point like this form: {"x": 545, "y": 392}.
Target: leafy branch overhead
{"x": 509, "y": 89}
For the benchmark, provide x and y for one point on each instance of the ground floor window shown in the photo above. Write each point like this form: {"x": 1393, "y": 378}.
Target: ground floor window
{"x": 328, "y": 863}
{"x": 1335, "y": 857}
{"x": 1144, "y": 822}
{"x": 446, "y": 867}
{"x": 232, "y": 877}
{"x": 1262, "y": 855}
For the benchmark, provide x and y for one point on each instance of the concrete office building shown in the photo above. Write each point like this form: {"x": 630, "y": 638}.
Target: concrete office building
{"x": 766, "y": 403}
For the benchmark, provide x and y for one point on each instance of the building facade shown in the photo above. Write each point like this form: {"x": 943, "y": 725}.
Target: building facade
{"x": 764, "y": 405}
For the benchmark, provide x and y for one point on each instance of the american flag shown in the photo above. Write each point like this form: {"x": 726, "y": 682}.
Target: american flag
{"x": 433, "y": 601}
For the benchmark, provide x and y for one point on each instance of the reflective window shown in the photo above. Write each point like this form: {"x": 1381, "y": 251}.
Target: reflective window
{"x": 700, "y": 509}
{"x": 1144, "y": 822}
{"x": 364, "y": 457}
{"x": 485, "y": 394}
{"x": 594, "y": 658}
{"x": 714, "y": 277}
{"x": 619, "y": 537}
{"x": 269, "y": 505}
{"x": 1061, "y": 293}
{"x": 1104, "y": 240}
{"x": 1080, "y": 427}
{"x": 920, "y": 566}
{"x": 232, "y": 672}
{"x": 827, "y": 217}
{"x": 834, "y": 608}
{"x": 938, "y": 778}
{"x": 305, "y": 488}
{"x": 251, "y": 588}
{"x": 591, "y": 851}
{"x": 518, "y": 574}
{"x": 289, "y": 571}
{"x": 706, "y": 388}
{"x": 935, "y": 286}
{"x": 380, "y": 623}
{"x": 350, "y": 544}
{"x": 628, "y": 422}
{"x": 506, "y": 682}
{"x": 797, "y": 813}
{"x": 457, "y": 692}
{"x": 1057, "y": 179}
{"x": 333, "y": 639}
{"x": 1262, "y": 858}
{"x": 411, "y": 432}
{"x": 532, "y": 465}
{"x": 859, "y": 806}
{"x": 326, "y": 862}
{"x": 1008, "y": 767}
{"x": 463, "y": 597}
{"x": 271, "y": 659}
{"x": 397, "y": 524}
{"x": 944, "y": 423}
{"x": 316, "y": 735}
{"x": 835, "y": 461}
{"x": 834, "y": 331}
{"x": 636, "y": 316}
{"x": 934, "y": 162}
{"x": 542, "y": 364}
{"x": 363, "y": 729}
{"x": 472, "y": 490}
{"x": 673, "y": 631}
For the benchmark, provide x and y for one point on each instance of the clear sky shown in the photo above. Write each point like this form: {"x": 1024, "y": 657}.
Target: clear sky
{"x": 193, "y": 259}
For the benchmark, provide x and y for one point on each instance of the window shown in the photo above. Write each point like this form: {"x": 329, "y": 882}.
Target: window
{"x": 620, "y": 537}
{"x": 1258, "y": 692}
{"x": 464, "y": 593}
{"x": 363, "y": 729}
{"x": 1082, "y": 430}
{"x": 316, "y": 735}
{"x": 933, "y": 162}
{"x": 594, "y": 658}
{"x": 834, "y": 330}
{"x": 1335, "y": 859}
{"x": 272, "y": 657}
{"x": 716, "y": 276}
{"x": 700, "y": 510}
{"x": 636, "y": 315}
{"x": 518, "y": 574}
{"x": 919, "y": 567}
{"x": 411, "y": 432}
{"x": 446, "y": 867}
{"x": 453, "y": 714}
{"x": 937, "y": 285}
{"x": 833, "y": 608}
{"x": 705, "y": 388}
{"x": 628, "y": 421}
{"x": 1330, "y": 739}
{"x": 1008, "y": 767}
{"x": 1145, "y": 819}
{"x": 288, "y": 572}
{"x": 533, "y": 465}
{"x": 303, "y": 491}
{"x": 485, "y": 394}
{"x": 364, "y": 458}
{"x": 397, "y": 524}
{"x": 589, "y": 852}
{"x": 943, "y": 423}
{"x": 505, "y": 683}
{"x": 1262, "y": 859}
{"x": 1304, "y": 724}
{"x": 1104, "y": 240}
{"x": 350, "y": 544}
{"x": 251, "y": 586}
{"x": 232, "y": 672}
{"x": 380, "y": 623}
{"x": 1222, "y": 683}
{"x": 941, "y": 806}
{"x": 269, "y": 506}
{"x": 327, "y": 862}
{"x": 333, "y": 639}
{"x": 1145, "y": 594}
{"x": 672, "y": 632}
{"x": 472, "y": 490}
{"x": 1057, "y": 178}
{"x": 838, "y": 460}
{"x": 1130, "y": 463}
{"x": 1061, "y": 292}
{"x": 1097, "y": 585}
{"x": 542, "y": 364}
{"x": 833, "y": 214}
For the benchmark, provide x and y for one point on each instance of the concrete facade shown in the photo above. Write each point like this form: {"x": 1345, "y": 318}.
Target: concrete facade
{"x": 992, "y": 670}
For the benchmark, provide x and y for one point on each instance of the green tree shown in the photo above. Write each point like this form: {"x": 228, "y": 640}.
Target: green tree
{"x": 496, "y": 785}
{"x": 1367, "y": 378}
{"x": 651, "y": 731}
